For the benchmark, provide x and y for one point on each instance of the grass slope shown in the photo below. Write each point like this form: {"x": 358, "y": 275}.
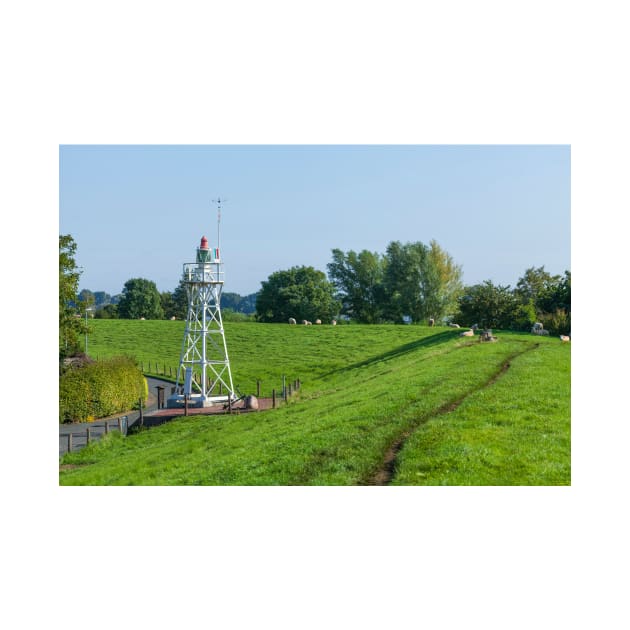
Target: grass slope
{"x": 465, "y": 419}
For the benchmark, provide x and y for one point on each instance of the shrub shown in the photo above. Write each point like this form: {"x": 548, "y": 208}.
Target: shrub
{"x": 230, "y": 315}
{"x": 557, "y": 323}
{"x": 100, "y": 389}
{"x": 524, "y": 316}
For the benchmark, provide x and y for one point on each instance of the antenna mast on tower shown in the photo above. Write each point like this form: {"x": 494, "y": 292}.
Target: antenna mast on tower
{"x": 219, "y": 201}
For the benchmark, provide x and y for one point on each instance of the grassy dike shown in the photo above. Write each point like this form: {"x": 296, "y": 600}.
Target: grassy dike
{"x": 453, "y": 411}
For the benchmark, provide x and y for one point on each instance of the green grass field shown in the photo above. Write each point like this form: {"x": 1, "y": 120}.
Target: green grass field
{"x": 403, "y": 405}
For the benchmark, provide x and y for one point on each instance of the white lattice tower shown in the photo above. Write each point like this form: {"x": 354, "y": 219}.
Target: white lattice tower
{"x": 204, "y": 366}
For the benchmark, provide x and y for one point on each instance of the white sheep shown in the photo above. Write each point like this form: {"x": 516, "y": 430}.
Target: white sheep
{"x": 292, "y": 321}
{"x": 565, "y": 338}
{"x": 537, "y": 329}
{"x": 334, "y": 322}
{"x": 454, "y": 325}
{"x": 467, "y": 333}
{"x": 318, "y": 321}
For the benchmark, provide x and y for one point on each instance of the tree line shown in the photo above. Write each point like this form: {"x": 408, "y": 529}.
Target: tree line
{"x": 410, "y": 282}
{"x": 141, "y": 298}
{"x": 414, "y": 282}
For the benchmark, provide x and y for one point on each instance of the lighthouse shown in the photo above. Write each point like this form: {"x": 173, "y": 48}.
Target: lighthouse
{"x": 204, "y": 374}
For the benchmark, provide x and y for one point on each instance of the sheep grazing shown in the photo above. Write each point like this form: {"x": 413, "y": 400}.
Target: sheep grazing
{"x": 334, "y": 322}
{"x": 454, "y": 325}
{"x": 486, "y": 335}
{"x": 431, "y": 322}
{"x": 537, "y": 329}
{"x": 467, "y": 333}
{"x": 305, "y": 322}
{"x": 565, "y": 338}
{"x": 251, "y": 402}
{"x": 318, "y": 321}
{"x": 292, "y": 321}
{"x": 173, "y": 318}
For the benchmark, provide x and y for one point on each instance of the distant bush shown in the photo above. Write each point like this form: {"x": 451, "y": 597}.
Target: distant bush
{"x": 229, "y": 315}
{"x": 557, "y": 323}
{"x": 100, "y": 389}
{"x": 524, "y": 317}
{"x": 109, "y": 311}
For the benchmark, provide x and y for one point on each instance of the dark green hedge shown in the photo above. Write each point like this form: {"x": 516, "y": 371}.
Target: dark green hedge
{"x": 100, "y": 389}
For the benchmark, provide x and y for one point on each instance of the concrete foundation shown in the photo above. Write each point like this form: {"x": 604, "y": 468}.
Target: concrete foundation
{"x": 176, "y": 401}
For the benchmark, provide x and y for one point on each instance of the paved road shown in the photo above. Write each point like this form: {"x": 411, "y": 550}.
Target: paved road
{"x": 79, "y": 430}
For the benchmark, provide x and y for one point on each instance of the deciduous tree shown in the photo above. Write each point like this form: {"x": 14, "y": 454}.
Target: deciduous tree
{"x": 420, "y": 281}
{"x": 299, "y": 292}
{"x": 140, "y": 298}
{"x": 494, "y": 306}
{"x": 70, "y": 326}
{"x": 358, "y": 279}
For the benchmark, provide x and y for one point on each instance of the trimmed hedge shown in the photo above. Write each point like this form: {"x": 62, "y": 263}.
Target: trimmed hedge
{"x": 100, "y": 389}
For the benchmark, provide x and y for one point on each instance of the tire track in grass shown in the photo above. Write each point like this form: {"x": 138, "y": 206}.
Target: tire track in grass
{"x": 314, "y": 462}
{"x": 384, "y": 475}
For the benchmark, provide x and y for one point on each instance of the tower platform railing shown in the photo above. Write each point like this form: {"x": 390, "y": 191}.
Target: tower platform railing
{"x": 203, "y": 273}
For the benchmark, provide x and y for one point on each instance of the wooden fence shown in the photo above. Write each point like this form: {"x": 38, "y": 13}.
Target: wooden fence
{"x": 76, "y": 439}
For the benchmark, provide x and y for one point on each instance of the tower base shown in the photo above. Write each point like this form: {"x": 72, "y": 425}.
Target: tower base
{"x": 176, "y": 401}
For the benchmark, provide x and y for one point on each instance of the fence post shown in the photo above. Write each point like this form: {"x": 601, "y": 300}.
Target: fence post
{"x": 257, "y": 388}
{"x": 273, "y": 398}
{"x": 69, "y": 442}
{"x": 141, "y": 416}
{"x": 87, "y": 439}
{"x": 289, "y": 389}
{"x": 284, "y": 386}
{"x": 106, "y": 428}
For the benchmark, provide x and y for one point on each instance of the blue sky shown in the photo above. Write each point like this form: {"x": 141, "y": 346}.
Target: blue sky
{"x": 139, "y": 211}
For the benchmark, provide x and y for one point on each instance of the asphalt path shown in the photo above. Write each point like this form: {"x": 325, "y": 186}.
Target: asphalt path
{"x": 79, "y": 430}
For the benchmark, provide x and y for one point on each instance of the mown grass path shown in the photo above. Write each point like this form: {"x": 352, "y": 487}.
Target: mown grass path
{"x": 364, "y": 387}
